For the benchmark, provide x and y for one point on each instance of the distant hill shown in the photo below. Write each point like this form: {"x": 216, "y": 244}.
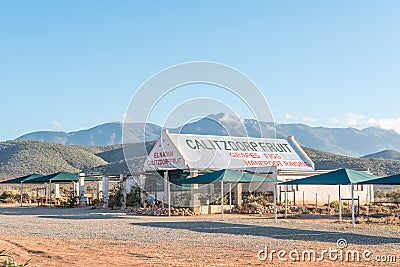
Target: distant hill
{"x": 135, "y": 152}
{"x": 23, "y": 157}
{"x": 344, "y": 141}
{"x": 328, "y": 161}
{"x": 117, "y": 167}
{"x": 115, "y": 153}
{"x": 323, "y": 161}
{"x": 101, "y": 135}
{"x": 384, "y": 154}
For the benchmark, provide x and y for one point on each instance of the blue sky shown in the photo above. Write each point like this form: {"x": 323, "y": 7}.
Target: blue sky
{"x": 69, "y": 65}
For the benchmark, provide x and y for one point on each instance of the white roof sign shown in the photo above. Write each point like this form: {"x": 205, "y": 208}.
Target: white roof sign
{"x": 186, "y": 151}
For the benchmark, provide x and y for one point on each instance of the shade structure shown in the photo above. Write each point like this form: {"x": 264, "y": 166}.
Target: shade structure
{"x": 60, "y": 177}
{"x": 338, "y": 177}
{"x": 22, "y": 179}
{"x": 390, "y": 180}
{"x": 230, "y": 176}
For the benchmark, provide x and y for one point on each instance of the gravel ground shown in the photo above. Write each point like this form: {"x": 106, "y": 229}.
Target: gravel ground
{"x": 236, "y": 236}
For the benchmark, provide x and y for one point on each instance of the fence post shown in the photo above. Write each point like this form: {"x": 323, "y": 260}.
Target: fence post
{"x": 230, "y": 197}
{"x": 285, "y": 194}
{"x": 104, "y": 179}
{"x": 329, "y": 204}
{"x": 123, "y": 190}
{"x": 316, "y": 202}
{"x": 275, "y": 209}
{"x": 340, "y": 206}
{"x": 81, "y": 183}
{"x": 294, "y": 198}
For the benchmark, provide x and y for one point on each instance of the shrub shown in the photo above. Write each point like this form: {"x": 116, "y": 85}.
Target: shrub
{"x": 335, "y": 205}
{"x": 72, "y": 199}
{"x": 10, "y": 196}
{"x": 9, "y": 261}
{"x": 218, "y": 200}
{"x": 26, "y": 198}
{"x": 114, "y": 198}
{"x": 9, "y": 201}
{"x": 393, "y": 196}
{"x": 133, "y": 198}
{"x": 379, "y": 194}
{"x": 253, "y": 200}
{"x": 96, "y": 202}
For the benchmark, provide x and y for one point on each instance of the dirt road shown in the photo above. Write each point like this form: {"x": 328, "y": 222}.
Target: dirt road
{"x": 85, "y": 237}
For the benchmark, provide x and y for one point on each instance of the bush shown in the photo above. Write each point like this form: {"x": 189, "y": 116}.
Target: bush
{"x": 9, "y": 261}
{"x": 218, "y": 201}
{"x": 335, "y": 205}
{"x": 133, "y": 198}
{"x": 26, "y": 198}
{"x": 253, "y": 200}
{"x": 8, "y": 201}
{"x": 96, "y": 202}
{"x": 10, "y": 196}
{"x": 379, "y": 194}
{"x": 114, "y": 198}
{"x": 72, "y": 199}
{"x": 305, "y": 211}
{"x": 393, "y": 196}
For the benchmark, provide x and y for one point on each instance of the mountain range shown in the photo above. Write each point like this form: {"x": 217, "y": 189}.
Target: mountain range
{"x": 22, "y": 157}
{"x": 384, "y": 154}
{"x": 343, "y": 141}
{"x": 98, "y": 150}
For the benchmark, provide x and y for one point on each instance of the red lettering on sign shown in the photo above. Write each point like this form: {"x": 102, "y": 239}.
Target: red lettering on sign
{"x": 158, "y": 162}
{"x": 163, "y": 154}
{"x": 272, "y": 156}
{"x": 244, "y": 155}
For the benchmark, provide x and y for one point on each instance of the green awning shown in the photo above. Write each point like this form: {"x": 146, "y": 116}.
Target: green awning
{"x": 22, "y": 179}
{"x": 229, "y": 176}
{"x": 337, "y": 177}
{"x": 391, "y": 180}
{"x": 60, "y": 177}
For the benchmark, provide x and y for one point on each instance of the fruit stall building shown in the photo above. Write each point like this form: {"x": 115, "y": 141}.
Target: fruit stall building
{"x": 176, "y": 157}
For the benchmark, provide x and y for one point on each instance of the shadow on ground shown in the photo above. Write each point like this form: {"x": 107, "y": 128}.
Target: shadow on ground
{"x": 85, "y": 216}
{"x": 85, "y": 213}
{"x": 273, "y": 232}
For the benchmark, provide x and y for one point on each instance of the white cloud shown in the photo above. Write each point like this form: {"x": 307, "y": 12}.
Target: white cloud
{"x": 304, "y": 119}
{"x": 350, "y": 119}
{"x": 353, "y": 119}
{"x": 54, "y": 126}
{"x": 361, "y": 121}
{"x": 388, "y": 124}
{"x": 308, "y": 119}
{"x": 334, "y": 120}
{"x": 230, "y": 118}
